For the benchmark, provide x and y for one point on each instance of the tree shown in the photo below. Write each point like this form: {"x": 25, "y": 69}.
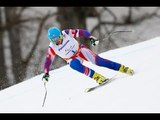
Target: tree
{"x": 15, "y": 25}
{"x": 3, "y": 75}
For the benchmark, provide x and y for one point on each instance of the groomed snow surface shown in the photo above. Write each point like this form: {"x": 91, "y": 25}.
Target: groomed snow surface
{"x": 139, "y": 93}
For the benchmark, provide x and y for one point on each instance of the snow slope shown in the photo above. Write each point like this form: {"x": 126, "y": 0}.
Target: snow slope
{"x": 126, "y": 94}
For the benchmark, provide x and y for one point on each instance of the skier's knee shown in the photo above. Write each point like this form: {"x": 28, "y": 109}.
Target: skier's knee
{"x": 76, "y": 65}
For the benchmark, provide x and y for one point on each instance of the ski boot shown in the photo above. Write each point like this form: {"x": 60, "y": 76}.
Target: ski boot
{"x": 99, "y": 78}
{"x": 126, "y": 70}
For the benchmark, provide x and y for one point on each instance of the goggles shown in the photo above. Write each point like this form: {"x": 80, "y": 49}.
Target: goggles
{"x": 54, "y": 40}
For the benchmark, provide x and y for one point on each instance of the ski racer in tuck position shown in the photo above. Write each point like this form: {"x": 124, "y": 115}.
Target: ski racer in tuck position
{"x": 64, "y": 44}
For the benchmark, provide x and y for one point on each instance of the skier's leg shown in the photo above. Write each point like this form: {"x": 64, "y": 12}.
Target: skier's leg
{"x": 97, "y": 60}
{"x": 77, "y": 65}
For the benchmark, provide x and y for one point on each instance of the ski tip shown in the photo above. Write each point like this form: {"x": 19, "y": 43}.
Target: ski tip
{"x": 90, "y": 89}
{"x": 87, "y": 90}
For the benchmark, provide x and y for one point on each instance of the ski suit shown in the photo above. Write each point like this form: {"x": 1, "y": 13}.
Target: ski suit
{"x": 75, "y": 53}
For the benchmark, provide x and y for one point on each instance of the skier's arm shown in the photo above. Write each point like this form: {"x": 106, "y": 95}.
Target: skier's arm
{"x": 82, "y": 32}
{"x": 49, "y": 59}
{"x": 78, "y": 33}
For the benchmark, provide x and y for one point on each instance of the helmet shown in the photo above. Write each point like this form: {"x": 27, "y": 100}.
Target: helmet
{"x": 53, "y": 34}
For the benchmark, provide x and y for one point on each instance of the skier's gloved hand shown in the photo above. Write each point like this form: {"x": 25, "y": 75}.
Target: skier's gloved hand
{"x": 45, "y": 77}
{"x": 93, "y": 40}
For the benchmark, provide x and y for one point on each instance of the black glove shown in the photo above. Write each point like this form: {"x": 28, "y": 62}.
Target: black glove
{"x": 94, "y": 41}
{"x": 45, "y": 77}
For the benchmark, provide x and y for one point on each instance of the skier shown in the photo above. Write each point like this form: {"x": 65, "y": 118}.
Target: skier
{"x": 64, "y": 44}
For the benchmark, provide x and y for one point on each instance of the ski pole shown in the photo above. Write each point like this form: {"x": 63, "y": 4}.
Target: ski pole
{"x": 116, "y": 32}
{"x": 45, "y": 94}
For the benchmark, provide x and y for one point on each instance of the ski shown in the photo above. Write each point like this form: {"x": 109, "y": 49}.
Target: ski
{"x": 98, "y": 86}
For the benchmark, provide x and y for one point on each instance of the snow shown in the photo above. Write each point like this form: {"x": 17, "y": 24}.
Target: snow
{"x": 65, "y": 90}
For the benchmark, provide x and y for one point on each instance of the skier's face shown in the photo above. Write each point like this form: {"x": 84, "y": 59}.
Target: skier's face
{"x": 57, "y": 40}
